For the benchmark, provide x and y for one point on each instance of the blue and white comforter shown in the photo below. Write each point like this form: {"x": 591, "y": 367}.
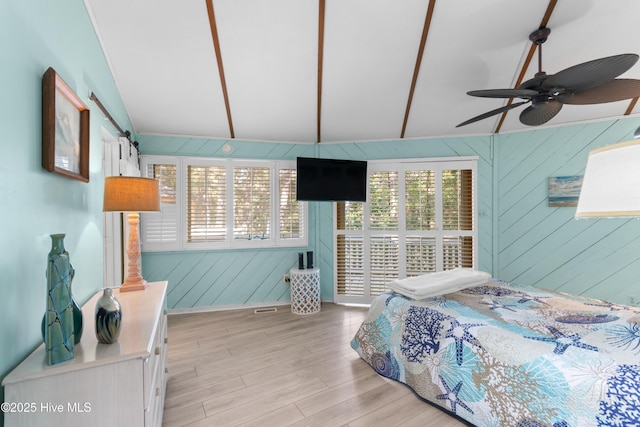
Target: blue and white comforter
{"x": 505, "y": 355}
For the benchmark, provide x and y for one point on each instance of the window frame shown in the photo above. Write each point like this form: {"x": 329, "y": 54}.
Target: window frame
{"x": 181, "y": 244}
{"x": 401, "y": 166}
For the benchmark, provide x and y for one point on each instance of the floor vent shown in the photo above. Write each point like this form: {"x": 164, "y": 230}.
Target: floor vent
{"x": 265, "y": 310}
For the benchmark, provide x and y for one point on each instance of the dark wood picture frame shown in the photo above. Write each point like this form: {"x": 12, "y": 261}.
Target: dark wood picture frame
{"x": 65, "y": 129}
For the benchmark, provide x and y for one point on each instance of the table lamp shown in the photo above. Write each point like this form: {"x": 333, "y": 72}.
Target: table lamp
{"x": 611, "y": 183}
{"x": 133, "y": 195}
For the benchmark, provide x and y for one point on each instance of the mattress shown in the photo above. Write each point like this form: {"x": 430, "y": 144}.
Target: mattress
{"x": 500, "y": 354}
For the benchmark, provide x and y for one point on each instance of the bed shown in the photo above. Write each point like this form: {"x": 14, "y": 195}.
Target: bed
{"x": 501, "y": 354}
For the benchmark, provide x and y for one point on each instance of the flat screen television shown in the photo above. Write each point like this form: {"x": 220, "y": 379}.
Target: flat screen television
{"x": 331, "y": 180}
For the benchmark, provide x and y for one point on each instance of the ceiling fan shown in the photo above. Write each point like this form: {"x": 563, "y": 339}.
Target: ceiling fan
{"x": 592, "y": 82}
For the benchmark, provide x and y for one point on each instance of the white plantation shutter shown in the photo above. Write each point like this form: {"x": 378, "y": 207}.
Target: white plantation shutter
{"x": 458, "y": 217}
{"x": 350, "y": 249}
{"x": 419, "y": 218}
{"x": 383, "y": 200}
{"x": 159, "y": 230}
{"x": 251, "y": 203}
{"x": 350, "y": 266}
{"x": 420, "y": 200}
{"x": 206, "y": 207}
{"x": 351, "y": 215}
{"x": 209, "y": 204}
{"x": 457, "y": 190}
{"x": 457, "y": 252}
{"x": 420, "y": 214}
{"x": 290, "y": 211}
{"x": 421, "y": 255}
{"x": 383, "y": 265}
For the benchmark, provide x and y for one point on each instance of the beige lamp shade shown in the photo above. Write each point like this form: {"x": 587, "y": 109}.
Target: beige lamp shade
{"x": 131, "y": 194}
{"x": 611, "y": 183}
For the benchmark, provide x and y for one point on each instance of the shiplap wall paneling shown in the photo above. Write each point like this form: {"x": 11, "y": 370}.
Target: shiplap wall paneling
{"x": 545, "y": 246}
{"x": 222, "y": 278}
{"x": 198, "y": 147}
{"x": 201, "y": 279}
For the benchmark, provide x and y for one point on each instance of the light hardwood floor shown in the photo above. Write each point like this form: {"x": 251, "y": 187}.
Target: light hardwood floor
{"x": 238, "y": 368}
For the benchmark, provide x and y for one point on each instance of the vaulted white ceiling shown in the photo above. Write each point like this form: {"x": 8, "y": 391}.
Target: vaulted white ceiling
{"x": 348, "y": 70}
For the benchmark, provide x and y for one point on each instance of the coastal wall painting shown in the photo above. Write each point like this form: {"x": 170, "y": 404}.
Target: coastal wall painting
{"x": 564, "y": 190}
{"x": 65, "y": 129}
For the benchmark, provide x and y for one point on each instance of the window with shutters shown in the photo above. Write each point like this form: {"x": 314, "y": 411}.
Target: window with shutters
{"x": 206, "y": 204}
{"x": 290, "y": 212}
{"x": 161, "y": 228}
{"x": 251, "y": 203}
{"x": 223, "y": 203}
{"x": 420, "y": 217}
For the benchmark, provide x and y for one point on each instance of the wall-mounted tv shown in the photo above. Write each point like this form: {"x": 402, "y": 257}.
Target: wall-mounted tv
{"x": 331, "y": 180}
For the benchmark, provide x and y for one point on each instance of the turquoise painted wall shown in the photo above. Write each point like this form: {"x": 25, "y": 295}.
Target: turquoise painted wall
{"x": 226, "y": 278}
{"x": 521, "y": 238}
{"x": 545, "y": 246}
{"x": 231, "y": 278}
{"x": 35, "y": 35}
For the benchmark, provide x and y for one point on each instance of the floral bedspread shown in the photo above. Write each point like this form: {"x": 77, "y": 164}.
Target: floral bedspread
{"x": 506, "y": 355}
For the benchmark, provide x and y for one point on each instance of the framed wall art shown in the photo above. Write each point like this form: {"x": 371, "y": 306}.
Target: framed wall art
{"x": 564, "y": 191}
{"x": 65, "y": 129}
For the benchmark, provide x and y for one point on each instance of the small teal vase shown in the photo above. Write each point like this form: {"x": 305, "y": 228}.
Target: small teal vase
{"x": 59, "y": 337}
{"x": 108, "y": 317}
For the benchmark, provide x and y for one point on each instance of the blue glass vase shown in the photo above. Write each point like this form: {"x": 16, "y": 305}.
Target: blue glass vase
{"x": 108, "y": 317}
{"x": 59, "y": 337}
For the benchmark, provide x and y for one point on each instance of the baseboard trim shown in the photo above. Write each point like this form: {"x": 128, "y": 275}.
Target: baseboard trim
{"x": 189, "y": 310}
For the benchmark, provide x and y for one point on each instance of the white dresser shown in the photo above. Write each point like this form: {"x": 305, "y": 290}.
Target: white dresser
{"x": 105, "y": 384}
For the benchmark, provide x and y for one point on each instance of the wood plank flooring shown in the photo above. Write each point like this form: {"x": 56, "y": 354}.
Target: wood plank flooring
{"x": 238, "y": 368}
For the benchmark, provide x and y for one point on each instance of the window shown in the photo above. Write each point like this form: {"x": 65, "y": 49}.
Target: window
{"x": 223, "y": 203}
{"x": 419, "y": 217}
{"x": 290, "y": 212}
{"x": 206, "y": 204}
{"x": 251, "y": 203}
{"x": 161, "y": 228}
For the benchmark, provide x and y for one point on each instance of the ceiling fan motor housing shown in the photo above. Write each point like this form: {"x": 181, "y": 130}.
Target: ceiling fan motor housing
{"x": 540, "y": 35}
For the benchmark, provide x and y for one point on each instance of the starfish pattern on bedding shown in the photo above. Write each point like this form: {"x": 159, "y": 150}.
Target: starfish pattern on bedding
{"x": 452, "y": 395}
{"x": 563, "y": 342}
{"x": 494, "y": 305}
{"x": 460, "y": 333}
{"x": 526, "y": 298}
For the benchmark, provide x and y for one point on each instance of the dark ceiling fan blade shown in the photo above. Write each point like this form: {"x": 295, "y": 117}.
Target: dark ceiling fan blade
{"x": 590, "y": 74}
{"x": 504, "y": 93}
{"x": 540, "y": 113}
{"x": 492, "y": 113}
{"x": 615, "y": 90}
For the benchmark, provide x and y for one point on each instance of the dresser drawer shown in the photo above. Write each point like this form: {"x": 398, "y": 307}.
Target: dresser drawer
{"x": 153, "y": 366}
{"x": 157, "y": 389}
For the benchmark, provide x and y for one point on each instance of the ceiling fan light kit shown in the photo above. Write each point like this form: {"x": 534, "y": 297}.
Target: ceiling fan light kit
{"x": 592, "y": 82}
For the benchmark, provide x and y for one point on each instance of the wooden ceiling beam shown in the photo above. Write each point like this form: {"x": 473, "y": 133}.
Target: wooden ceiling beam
{"x": 416, "y": 70}
{"x": 216, "y": 46}
{"x": 321, "y": 9}
{"x": 632, "y": 105}
{"x": 527, "y": 62}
